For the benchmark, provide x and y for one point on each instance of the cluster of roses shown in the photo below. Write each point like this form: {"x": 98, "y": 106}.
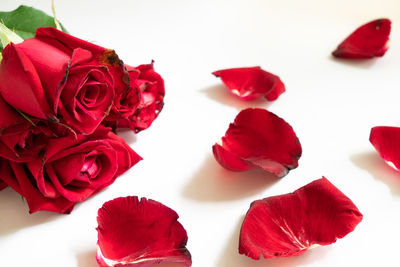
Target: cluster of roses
{"x": 61, "y": 99}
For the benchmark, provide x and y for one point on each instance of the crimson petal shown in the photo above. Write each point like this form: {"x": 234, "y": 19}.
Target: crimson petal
{"x": 251, "y": 83}
{"x": 290, "y": 224}
{"x": 369, "y": 40}
{"x": 143, "y": 232}
{"x": 386, "y": 141}
{"x": 2, "y": 185}
{"x": 259, "y": 138}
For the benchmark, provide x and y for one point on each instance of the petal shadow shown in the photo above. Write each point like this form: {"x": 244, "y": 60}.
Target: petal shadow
{"x": 128, "y": 135}
{"x": 170, "y": 264}
{"x": 221, "y": 94}
{"x": 231, "y": 258}
{"x": 214, "y": 183}
{"x": 376, "y": 166}
{"x": 87, "y": 259}
{"x": 355, "y": 63}
{"x": 15, "y": 213}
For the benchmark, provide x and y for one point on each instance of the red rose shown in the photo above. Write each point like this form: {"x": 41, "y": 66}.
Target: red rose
{"x": 70, "y": 170}
{"x": 58, "y": 77}
{"x": 129, "y": 113}
{"x": 22, "y": 140}
{"x": 25, "y": 141}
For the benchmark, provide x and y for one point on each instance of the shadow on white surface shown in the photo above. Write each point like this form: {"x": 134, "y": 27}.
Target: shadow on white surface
{"x": 214, "y": 183}
{"x": 230, "y": 257}
{"x": 376, "y": 166}
{"x": 129, "y": 136}
{"x": 221, "y": 94}
{"x": 15, "y": 213}
{"x": 87, "y": 259}
{"x": 169, "y": 264}
{"x": 356, "y": 63}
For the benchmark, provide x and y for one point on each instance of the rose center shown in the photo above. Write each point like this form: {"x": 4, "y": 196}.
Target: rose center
{"x": 90, "y": 169}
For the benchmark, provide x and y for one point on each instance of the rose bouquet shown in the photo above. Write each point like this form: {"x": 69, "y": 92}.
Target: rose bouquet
{"x": 61, "y": 100}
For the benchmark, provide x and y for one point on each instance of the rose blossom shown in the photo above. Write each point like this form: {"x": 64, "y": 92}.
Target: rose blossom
{"x": 147, "y": 87}
{"x": 69, "y": 170}
{"x": 58, "y": 77}
{"x": 22, "y": 140}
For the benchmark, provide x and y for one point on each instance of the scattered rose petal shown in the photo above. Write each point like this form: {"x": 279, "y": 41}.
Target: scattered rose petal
{"x": 369, "y": 40}
{"x": 259, "y": 138}
{"x": 386, "y": 141}
{"x": 290, "y": 224}
{"x": 143, "y": 232}
{"x": 251, "y": 83}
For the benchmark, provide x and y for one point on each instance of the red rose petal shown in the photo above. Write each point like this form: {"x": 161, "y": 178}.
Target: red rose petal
{"x": 9, "y": 116}
{"x": 386, "y": 141}
{"x": 369, "y": 40}
{"x": 135, "y": 232}
{"x": 24, "y": 92}
{"x": 251, "y": 83}
{"x": 229, "y": 160}
{"x": 259, "y": 138}
{"x": 2, "y": 185}
{"x": 290, "y": 224}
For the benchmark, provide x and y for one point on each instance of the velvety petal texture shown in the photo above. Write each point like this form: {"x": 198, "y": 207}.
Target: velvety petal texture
{"x": 259, "y": 138}
{"x": 26, "y": 141}
{"x": 56, "y": 91}
{"x": 133, "y": 232}
{"x": 140, "y": 106}
{"x": 61, "y": 78}
{"x": 386, "y": 141}
{"x": 368, "y": 41}
{"x": 69, "y": 169}
{"x": 9, "y": 116}
{"x": 251, "y": 83}
{"x": 288, "y": 225}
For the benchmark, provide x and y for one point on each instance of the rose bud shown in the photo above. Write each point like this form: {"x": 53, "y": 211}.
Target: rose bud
{"x": 70, "y": 170}
{"x": 58, "y": 77}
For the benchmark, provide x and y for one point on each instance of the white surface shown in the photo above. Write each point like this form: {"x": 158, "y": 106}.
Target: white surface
{"x": 331, "y": 105}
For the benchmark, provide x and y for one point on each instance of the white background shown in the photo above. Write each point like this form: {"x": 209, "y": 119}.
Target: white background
{"x": 331, "y": 104}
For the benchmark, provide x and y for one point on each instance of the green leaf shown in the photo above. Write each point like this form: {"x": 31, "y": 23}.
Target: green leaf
{"x": 25, "y": 20}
